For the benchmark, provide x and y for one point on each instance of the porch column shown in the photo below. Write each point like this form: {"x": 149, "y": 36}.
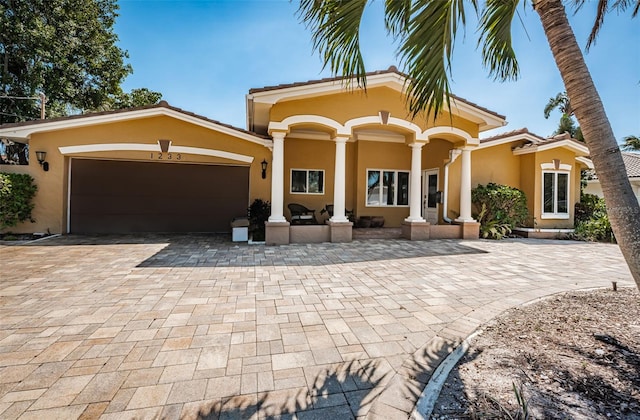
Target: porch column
{"x": 339, "y": 181}
{"x": 415, "y": 194}
{"x": 465, "y": 187}
{"x": 277, "y": 178}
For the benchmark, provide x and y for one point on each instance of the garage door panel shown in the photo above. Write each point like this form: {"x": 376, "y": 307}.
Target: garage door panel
{"x": 120, "y": 197}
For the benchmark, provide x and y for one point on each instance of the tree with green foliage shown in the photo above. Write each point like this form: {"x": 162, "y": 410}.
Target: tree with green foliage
{"x": 65, "y": 49}
{"x": 425, "y": 31}
{"x": 591, "y": 220}
{"x": 16, "y": 194}
{"x": 631, "y": 143}
{"x": 498, "y": 209}
{"x": 566, "y": 124}
{"x": 136, "y": 98}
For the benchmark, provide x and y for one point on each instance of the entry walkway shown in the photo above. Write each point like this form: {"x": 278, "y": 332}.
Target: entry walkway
{"x": 198, "y": 327}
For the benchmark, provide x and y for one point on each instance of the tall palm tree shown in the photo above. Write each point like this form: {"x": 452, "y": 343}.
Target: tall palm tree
{"x": 560, "y": 101}
{"x": 566, "y": 123}
{"x": 631, "y": 143}
{"x": 426, "y": 30}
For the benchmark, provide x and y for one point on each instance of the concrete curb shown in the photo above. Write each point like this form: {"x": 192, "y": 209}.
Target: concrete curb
{"x": 431, "y": 392}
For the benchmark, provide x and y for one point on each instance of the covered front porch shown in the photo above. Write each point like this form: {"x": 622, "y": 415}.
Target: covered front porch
{"x": 374, "y": 166}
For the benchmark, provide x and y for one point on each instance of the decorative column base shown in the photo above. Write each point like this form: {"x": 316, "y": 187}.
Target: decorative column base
{"x": 341, "y": 231}
{"x": 416, "y": 231}
{"x": 470, "y": 230}
{"x": 277, "y": 233}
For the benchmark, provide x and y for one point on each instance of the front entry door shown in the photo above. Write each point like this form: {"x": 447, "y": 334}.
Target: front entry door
{"x": 430, "y": 201}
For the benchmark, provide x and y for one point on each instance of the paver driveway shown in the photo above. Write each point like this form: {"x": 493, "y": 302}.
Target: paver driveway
{"x": 194, "y": 326}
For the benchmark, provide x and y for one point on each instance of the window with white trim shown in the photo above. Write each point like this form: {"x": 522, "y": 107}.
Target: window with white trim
{"x": 307, "y": 181}
{"x": 387, "y": 188}
{"x": 555, "y": 195}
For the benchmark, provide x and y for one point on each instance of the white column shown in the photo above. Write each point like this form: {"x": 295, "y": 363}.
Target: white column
{"x": 415, "y": 194}
{"x": 277, "y": 178}
{"x": 465, "y": 187}
{"x": 339, "y": 181}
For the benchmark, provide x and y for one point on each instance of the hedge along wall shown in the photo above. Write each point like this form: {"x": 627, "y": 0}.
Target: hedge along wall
{"x": 16, "y": 194}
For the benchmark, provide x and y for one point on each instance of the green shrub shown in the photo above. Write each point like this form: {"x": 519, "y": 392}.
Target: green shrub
{"x": 591, "y": 220}
{"x": 259, "y": 213}
{"x": 16, "y": 193}
{"x": 499, "y": 208}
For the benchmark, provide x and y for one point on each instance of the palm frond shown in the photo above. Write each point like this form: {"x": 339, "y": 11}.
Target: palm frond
{"x": 631, "y": 143}
{"x": 498, "y": 55}
{"x": 397, "y": 16}
{"x": 560, "y": 101}
{"x": 602, "y": 8}
{"x": 426, "y": 50}
{"x": 335, "y": 29}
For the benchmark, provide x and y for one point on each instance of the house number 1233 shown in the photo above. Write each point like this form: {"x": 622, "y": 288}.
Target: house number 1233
{"x": 166, "y": 156}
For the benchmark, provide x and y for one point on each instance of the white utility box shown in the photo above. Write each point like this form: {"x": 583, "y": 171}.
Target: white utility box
{"x": 240, "y": 229}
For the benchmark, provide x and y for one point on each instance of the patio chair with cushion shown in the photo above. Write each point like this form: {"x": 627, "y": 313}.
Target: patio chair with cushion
{"x": 300, "y": 215}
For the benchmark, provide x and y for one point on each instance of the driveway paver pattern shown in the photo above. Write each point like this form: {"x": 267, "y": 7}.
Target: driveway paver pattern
{"x": 196, "y": 326}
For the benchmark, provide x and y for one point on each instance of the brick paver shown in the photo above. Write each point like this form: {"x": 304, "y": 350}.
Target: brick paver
{"x": 194, "y": 326}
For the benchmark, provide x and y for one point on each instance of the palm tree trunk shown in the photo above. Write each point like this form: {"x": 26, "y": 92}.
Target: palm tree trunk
{"x": 622, "y": 205}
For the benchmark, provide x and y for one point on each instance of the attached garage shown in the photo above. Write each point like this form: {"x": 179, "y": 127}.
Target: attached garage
{"x": 112, "y": 196}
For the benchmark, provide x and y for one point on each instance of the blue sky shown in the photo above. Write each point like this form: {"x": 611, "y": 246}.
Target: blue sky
{"x": 204, "y": 56}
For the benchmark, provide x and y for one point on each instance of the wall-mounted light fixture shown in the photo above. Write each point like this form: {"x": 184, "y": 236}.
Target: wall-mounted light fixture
{"x": 264, "y": 168}
{"x": 42, "y": 156}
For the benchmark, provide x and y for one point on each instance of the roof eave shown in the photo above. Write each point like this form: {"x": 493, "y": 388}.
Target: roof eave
{"x": 27, "y": 130}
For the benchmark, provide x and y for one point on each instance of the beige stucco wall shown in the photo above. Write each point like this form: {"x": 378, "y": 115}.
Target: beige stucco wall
{"x": 495, "y": 164}
{"x": 345, "y": 106}
{"x": 529, "y": 183}
{"x": 566, "y": 157}
{"x": 385, "y": 156}
{"x": 51, "y": 201}
{"x": 310, "y": 155}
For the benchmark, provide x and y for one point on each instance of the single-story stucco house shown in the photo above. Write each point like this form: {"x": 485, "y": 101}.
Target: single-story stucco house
{"x": 631, "y": 163}
{"x": 162, "y": 169}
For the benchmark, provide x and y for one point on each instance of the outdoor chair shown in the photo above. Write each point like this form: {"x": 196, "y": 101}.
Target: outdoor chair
{"x": 329, "y": 209}
{"x": 300, "y": 215}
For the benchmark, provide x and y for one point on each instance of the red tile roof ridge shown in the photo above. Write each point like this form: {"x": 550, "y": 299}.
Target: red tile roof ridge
{"x": 391, "y": 69}
{"x": 161, "y": 104}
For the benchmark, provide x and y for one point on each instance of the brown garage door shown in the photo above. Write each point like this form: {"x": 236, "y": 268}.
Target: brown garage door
{"x": 121, "y": 197}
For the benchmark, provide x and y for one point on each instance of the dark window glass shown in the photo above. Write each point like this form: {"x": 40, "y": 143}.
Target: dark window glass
{"x": 388, "y": 192}
{"x": 563, "y": 193}
{"x": 433, "y": 189}
{"x": 403, "y": 188}
{"x": 548, "y": 192}
{"x": 373, "y": 188}
{"x": 299, "y": 181}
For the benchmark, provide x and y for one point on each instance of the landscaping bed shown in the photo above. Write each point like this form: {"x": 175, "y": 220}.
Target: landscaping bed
{"x": 575, "y": 355}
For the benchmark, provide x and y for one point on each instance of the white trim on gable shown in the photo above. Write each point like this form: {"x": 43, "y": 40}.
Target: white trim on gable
{"x": 142, "y": 147}
{"x": 485, "y": 120}
{"x": 25, "y": 131}
{"x": 569, "y": 144}
{"x": 509, "y": 139}
{"x": 308, "y": 90}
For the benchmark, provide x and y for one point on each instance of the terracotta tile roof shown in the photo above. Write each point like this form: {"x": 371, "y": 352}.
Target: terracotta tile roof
{"x": 161, "y": 104}
{"x": 529, "y": 144}
{"x": 632, "y": 163}
{"x": 392, "y": 69}
{"x": 509, "y": 134}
